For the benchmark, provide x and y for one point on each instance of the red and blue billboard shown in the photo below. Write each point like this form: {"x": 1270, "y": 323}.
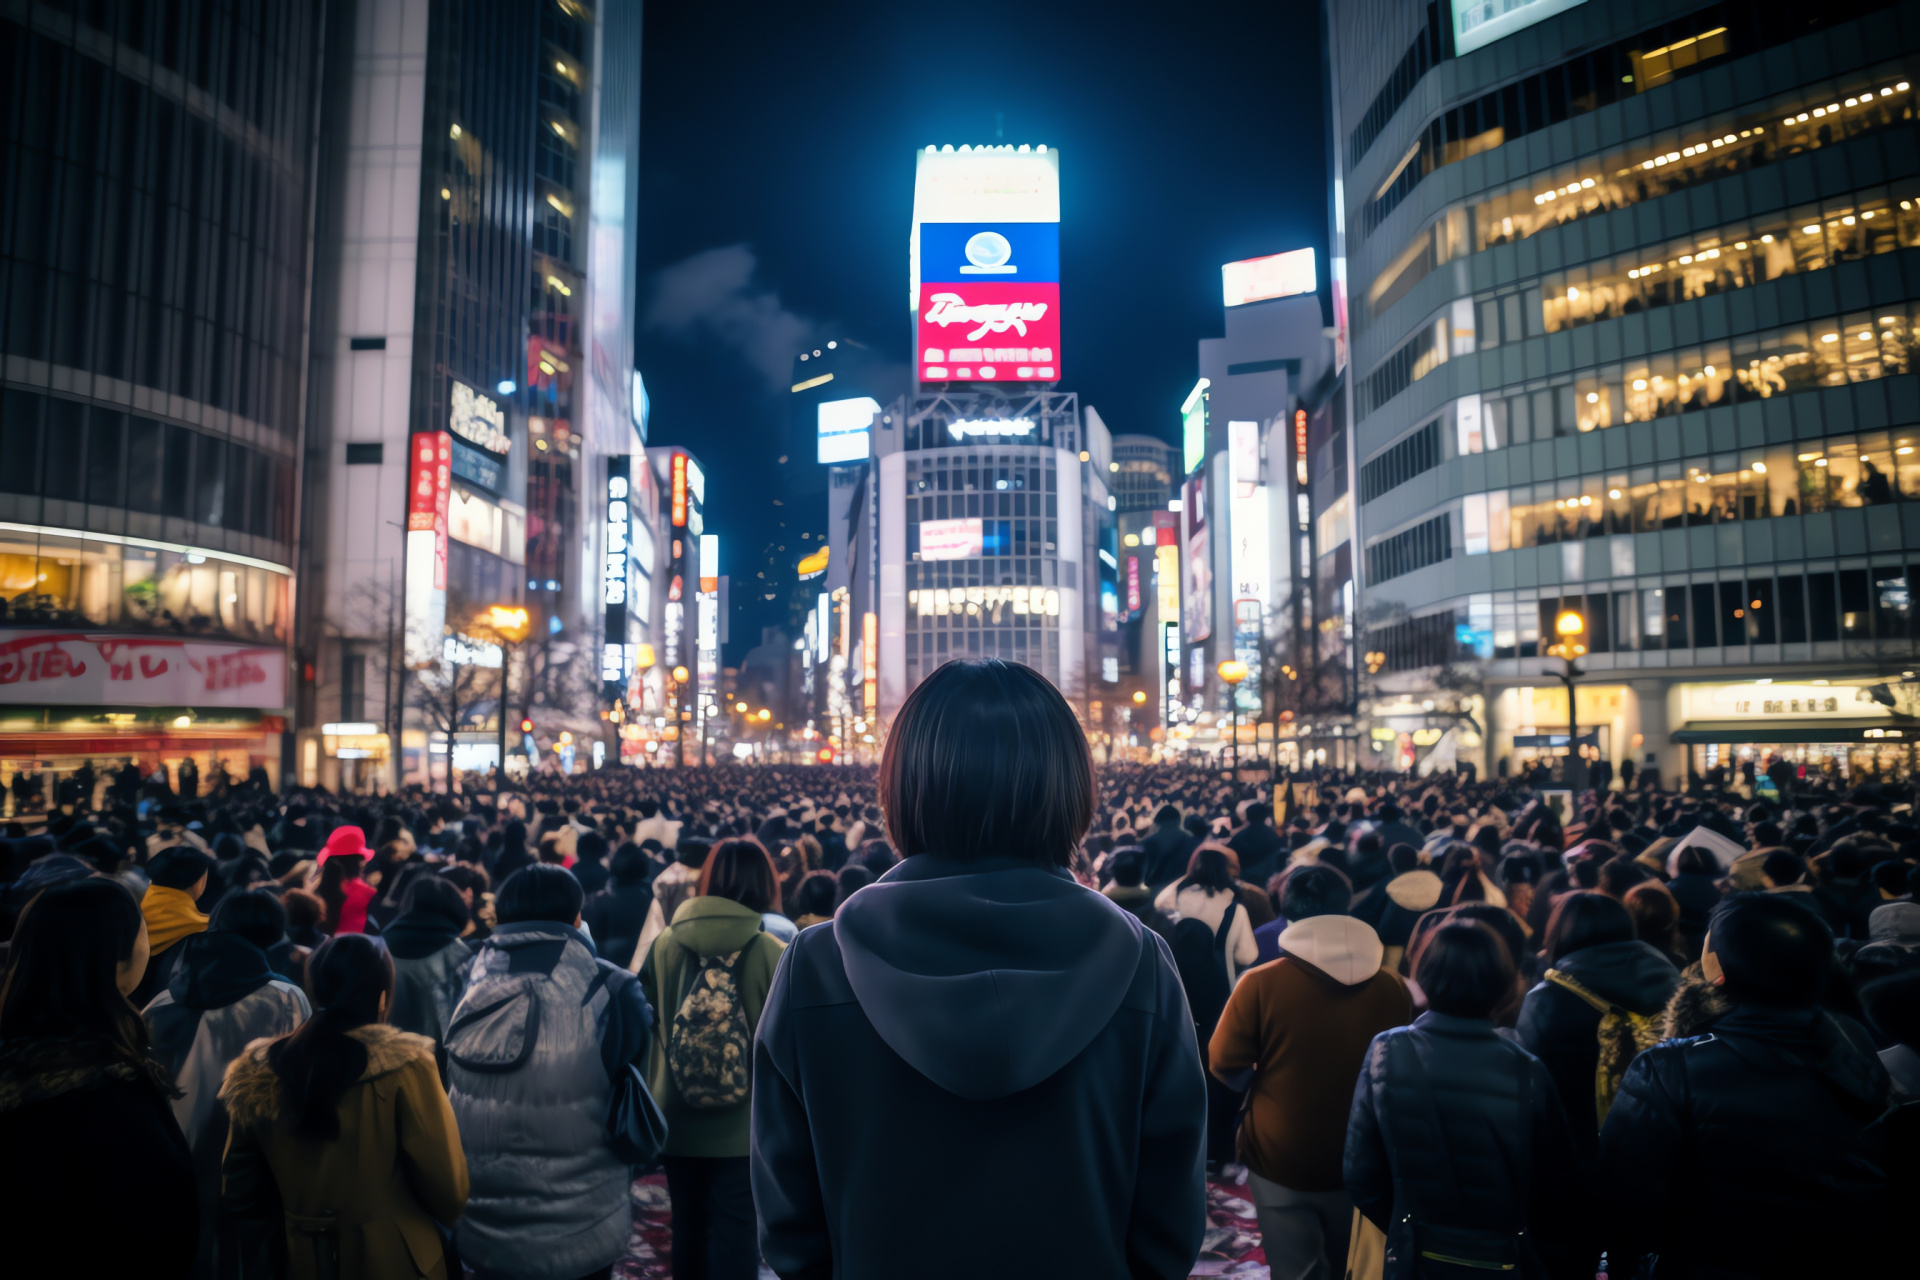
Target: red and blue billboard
{"x": 989, "y": 302}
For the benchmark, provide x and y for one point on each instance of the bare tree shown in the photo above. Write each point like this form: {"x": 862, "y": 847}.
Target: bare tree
{"x": 447, "y": 695}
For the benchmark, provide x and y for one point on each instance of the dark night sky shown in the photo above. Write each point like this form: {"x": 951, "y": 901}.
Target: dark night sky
{"x": 776, "y": 188}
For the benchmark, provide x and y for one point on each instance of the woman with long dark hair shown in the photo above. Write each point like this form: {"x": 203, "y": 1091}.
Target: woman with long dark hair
{"x": 95, "y": 1165}
{"x": 977, "y": 1010}
{"x": 713, "y": 966}
{"x": 344, "y": 1127}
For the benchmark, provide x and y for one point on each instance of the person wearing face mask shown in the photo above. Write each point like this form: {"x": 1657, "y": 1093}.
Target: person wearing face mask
{"x": 96, "y": 1167}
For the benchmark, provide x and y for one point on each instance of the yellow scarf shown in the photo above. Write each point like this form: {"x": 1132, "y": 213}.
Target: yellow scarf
{"x": 170, "y": 915}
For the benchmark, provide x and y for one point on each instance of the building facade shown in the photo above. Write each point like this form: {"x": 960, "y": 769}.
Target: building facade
{"x": 154, "y": 221}
{"x": 473, "y": 385}
{"x": 1632, "y": 300}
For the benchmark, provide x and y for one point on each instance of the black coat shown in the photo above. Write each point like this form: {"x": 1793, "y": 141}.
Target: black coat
{"x": 1561, "y": 1029}
{"x": 615, "y": 916}
{"x": 1745, "y": 1152}
{"x": 95, "y": 1167}
{"x": 1261, "y": 852}
{"x": 997, "y": 1032}
{"x": 1167, "y": 846}
{"x": 1482, "y": 1147}
{"x": 1698, "y": 894}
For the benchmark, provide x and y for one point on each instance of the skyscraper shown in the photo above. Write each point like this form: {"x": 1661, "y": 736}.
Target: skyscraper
{"x": 1631, "y": 377}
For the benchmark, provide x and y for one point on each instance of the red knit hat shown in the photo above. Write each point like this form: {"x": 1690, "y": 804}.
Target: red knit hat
{"x": 345, "y": 842}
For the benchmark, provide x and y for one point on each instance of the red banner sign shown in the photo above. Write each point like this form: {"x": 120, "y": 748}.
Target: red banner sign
{"x": 79, "y": 669}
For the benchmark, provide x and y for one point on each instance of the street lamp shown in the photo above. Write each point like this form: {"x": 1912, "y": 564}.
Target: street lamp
{"x": 1572, "y": 630}
{"x": 510, "y": 623}
{"x": 1232, "y": 672}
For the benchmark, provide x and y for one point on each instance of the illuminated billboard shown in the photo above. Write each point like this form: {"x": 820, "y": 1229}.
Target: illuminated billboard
{"x": 846, "y": 428}
{"x": 1278, "y": 275}
{"x": 1198, "y": 587}
{"x": 1193, "y": 427}
{"x": 1478, "y": 23}
{"x": 429, "y": 490}
{"x": 951, "y": 539}
{"x": 616, "y": 576}
{"x": 985, "y": 264}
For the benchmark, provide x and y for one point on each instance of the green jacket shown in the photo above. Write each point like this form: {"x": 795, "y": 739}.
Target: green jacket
{"x": 704, "y": 927}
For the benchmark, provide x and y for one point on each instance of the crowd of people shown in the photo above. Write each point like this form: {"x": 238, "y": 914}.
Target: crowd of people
{"x": 1434, "y": 1026}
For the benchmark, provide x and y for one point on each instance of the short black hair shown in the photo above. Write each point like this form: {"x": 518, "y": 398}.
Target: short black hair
{"x": 1129, "y": 867}
{"x": 1166, "y": 813}
{"x": 1402, "y": 857}
{"x": 179, "y": 867}
{"x": 541, "y": 891}
{"x": 692, "y": 851}
{"x": 1585, "y": 919}
{"x": 591, "y": 847}
{"x": 1465, "y": 969}
{"x": 255, "y": 914}
{"x": 1695, "y": 861}
{"x": 1783, "y": 868}
{"x": 985, "y": 758}
{"x": 630, "y": 864}
{"x": 1773, "y": 950}
{"x": 1314, "y": 890}
{"x": 434, "y": 896}
{"x": 815, "y": 895}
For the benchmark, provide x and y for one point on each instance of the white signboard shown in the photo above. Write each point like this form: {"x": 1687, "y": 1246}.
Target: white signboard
{"x": 83, "y": 669}
{"x": 950, "y": 539}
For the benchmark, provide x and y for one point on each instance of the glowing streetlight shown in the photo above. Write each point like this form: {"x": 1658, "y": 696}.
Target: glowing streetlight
{"x": 511, "y": 623}
{"x": 1571, "y": 627}
{"x": 1232, "y": 672}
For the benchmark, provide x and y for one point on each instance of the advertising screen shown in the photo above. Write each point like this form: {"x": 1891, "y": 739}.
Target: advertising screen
{"x": 845, "y": 428}
{"x": 985, "y": 264}
{"x": 1193, "y": 427}
{"x": 950, "y": 539}
{"x": 429, "y": 489}
{"x": 1198, "y": 588}
{"x": 1478, "y": 23}
{"x": 989, "y": 302}
{"x": 1278, "y": 275}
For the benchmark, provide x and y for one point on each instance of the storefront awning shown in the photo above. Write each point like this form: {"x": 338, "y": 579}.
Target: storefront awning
{"x": 1825, "y": 729}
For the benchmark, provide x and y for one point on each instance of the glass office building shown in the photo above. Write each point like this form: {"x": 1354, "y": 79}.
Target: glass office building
{"x": 153, "y": 291}
{"x": 1632, "y": 335}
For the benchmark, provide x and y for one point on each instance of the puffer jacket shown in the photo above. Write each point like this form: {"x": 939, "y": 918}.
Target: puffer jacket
{"x": 429, "y": 975}
{"x": 1455, "y": 1129}
{"x": 542, "y": 1031}
{"x": 1561, "y": 1029}
{"x": 1748, "y": 1151}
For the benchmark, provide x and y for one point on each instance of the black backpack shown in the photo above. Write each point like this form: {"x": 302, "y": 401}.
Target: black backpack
{"x": 1200, "y": 954}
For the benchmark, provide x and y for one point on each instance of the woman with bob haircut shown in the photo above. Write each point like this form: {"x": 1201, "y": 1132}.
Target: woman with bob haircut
{"x": 977, "y": 1007}
{"x": 1457, "y": 1146}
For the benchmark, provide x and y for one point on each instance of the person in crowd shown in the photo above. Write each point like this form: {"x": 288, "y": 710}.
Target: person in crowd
{"x": 1892, "y": 1006}
{"x": 95, "y": 1166}
{"x": 341, "y": 1131}
{"x": 670, "y": 888}
{"x": 1168, "y": 847}
{"x": 1209, "y": 894}
{"x": 1656, "y": 919}
{"x": 222, "y": 996}
{"x": 616, "y": 913}
{"x": 1745, "y": 1151}
{"x": 179, "y": 877}
{"x": 1266, "y": 937}
{"x": 513, "y": 853}
{"x": 852, "y": 879}
{"x": 590, "y": 863}
{"x": 977, "y": 1003}
{"x": 813, "y": 899}
{"x": 340, "y": 881}
{"x": 538, "y": 1043}
{"x": 430, "y": 959}
{"x": 712, "y": 968}
{"x": 1696, "y": 887}
{"x": 1129, "y": 868}
{"x": 1457, "y": 1147}
{"x": 1597, "y": 969}
{"x": 1295, "y": 1031}
{"x": 1258, "y": 846}
{"x": 1392, "y": 906}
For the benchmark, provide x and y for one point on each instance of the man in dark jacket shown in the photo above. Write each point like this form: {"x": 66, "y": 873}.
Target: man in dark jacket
{"x": 1745, "y": 1151}
{"x": 1259, "y": 846}
{"x": 1168, "y": 847}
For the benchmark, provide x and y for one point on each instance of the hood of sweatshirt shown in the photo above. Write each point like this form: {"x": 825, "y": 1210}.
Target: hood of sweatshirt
{"x": 1414, "y": 891}
{"x": 1631, "y": 974}
{"x": 989, "y": 976}
{"x": 1345, "y": 949}
{"x": 711, "y": 926}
